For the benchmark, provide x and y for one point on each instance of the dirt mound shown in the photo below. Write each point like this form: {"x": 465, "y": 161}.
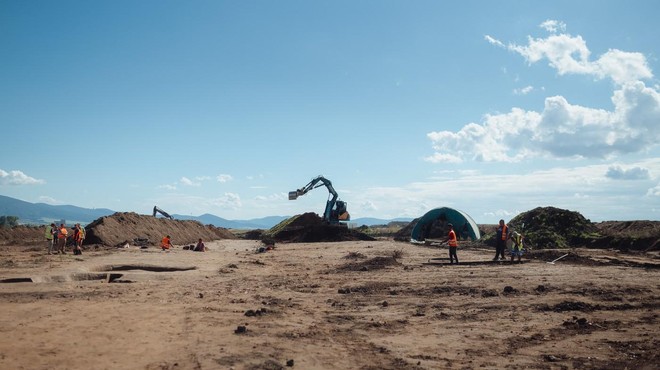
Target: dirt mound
{"x": 310, "y": 228}
{"x": 550, "y": 227}
{"x": 123, "y": 227}
{"x": 628, "y": 235}
{"x": 22, "y": 235}
{"x": 404, "y": 234}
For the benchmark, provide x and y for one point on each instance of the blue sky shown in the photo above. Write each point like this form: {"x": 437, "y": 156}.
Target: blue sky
{"x": 223, "y": 107}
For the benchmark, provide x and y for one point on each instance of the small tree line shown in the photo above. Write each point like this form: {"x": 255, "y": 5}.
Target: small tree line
{"x": 8, "y": 221}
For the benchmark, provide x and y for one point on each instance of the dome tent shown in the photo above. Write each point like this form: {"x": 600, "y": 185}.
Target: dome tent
{"x": 438, "y": 218}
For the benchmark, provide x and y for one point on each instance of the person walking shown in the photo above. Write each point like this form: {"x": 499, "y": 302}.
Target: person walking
{"x": 453, "y": 244}
{"x": 62, "y": 234}
{"x": 501, "y": 237}
{"x": 50, "y": 234}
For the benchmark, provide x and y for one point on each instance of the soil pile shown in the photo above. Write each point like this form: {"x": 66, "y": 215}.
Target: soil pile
{"x": 404, "y": 234}
{"x": 628, "y": 235}
{"x": 124, "y": 227}
{"x": 22, "y": 235}
{"x": 310, "y": 228}
{"x": 550, "y": 227}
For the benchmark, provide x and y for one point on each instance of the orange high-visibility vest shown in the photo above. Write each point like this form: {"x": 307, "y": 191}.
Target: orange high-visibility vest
{"x": 165, "y": 243}
{"x": 452, "y": 239}
{"x": 504, "y": 232}
{"x": 63, "y": 233}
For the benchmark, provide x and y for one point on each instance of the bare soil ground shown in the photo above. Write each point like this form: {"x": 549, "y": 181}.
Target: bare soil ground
{"x": 335, "y": 305}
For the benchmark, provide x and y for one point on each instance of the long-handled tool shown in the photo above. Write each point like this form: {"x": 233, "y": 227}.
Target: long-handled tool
{"x": 557, "y": 259}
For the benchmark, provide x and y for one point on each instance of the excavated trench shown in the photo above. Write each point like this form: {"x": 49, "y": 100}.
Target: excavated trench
{"x": 98, "y": 273}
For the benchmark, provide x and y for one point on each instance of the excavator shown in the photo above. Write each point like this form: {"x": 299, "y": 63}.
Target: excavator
{"x": 165, "y": 214}
{"x": 335, "y": 209}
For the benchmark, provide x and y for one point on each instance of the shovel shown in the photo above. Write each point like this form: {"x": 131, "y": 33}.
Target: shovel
{"x": 557, "y": 259}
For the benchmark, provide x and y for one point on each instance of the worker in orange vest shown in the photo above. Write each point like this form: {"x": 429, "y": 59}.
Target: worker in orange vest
{"x": 502, "y": 236}
{"x": 166, "y": 243}
{"x": 453, "y": 244}
{"x": 61, "y": 239}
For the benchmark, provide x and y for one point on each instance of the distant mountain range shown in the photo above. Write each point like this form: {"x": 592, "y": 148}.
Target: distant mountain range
{"x": 41, "y": 213}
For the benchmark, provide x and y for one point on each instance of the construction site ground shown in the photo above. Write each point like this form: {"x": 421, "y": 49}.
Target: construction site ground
{"x": 334, "y": 305}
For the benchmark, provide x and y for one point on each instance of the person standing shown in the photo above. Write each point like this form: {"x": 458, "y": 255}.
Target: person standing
{"x": 62, "y": 234}
{"x": 77, "y": 240}
{"x": 517, "y": 246}
{"x": 50, "y": 234}
{"x": 453, "y": 244}
{"x": 502, "y": 235}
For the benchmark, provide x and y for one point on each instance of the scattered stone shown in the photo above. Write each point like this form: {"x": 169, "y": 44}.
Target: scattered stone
{"x": 240, "y": 330}
{"x": 201, "y": 295}
{"x": 344, "y": 290}
{"x": 510, "y": 290}
{"x": 540, "y": 288}
{"x": 289, "y": 363}
{"x": 385, "y": 304}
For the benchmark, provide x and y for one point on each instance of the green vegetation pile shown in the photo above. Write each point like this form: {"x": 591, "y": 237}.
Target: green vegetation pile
{"x": 310, "y": 228}
{"x": 550, "y": 227}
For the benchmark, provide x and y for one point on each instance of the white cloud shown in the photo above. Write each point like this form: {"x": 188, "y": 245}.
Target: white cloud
{"x": 368, "y": 206}
{"x": 553, "y": 26}
{"x": 224, "y": 178}
{"x": 489, "y": 197}
{"x": 570, "y": 54}
{"x": 48, "y": 200}
{"x": 494, "y": 41}
{"x": 654, "y": 191}
{"x": 202, "y": 178}
{"x": 634, "y": 173}
{"x": 523, "y": 90}
{"x": 188, "y": 182}
{"x": 562, "y": 129}
{"x": 167, "y": 187}
{"x": 16, "y": 177}
{"x": 227, "y": 201}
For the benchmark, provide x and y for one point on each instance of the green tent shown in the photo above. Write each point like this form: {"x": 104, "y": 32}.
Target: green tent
{"x": 434, "y": 225}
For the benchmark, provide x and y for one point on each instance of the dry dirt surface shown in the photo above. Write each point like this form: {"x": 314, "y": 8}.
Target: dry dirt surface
{"x": 336, "y": 305}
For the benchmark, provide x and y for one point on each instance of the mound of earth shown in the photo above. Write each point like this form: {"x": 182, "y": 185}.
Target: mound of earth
{"x": 550, "y": 227}
{"x": 628, "y": 235}
{"x": 22, "y": 235}
{"x": 124, "y": 227}
{"x": 404, "y": 234}
{"x": 310, "y": 228}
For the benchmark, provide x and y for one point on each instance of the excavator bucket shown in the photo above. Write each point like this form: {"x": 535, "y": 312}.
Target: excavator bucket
{"x": 293, "y": 195}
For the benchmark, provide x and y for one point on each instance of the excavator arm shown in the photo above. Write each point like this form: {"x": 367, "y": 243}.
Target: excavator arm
{"x": 165, "y": 214}
{"x": 335, "y": 210}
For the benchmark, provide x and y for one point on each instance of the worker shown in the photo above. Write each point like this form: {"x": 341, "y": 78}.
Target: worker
{"x": 166, "y": 243}
{"x": 501, "y": 237}
{"x": 453, "y": 244}
{"x": 50, "y": 233}
{"x": 77, "y": 239}
{"x": 200, "y": 247}
{"x": 61, "y": 239}
{"x": 516, "y": 246}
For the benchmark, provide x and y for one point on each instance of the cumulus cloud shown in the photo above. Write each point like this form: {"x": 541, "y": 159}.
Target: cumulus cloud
{"x": 224, "y": 178}
{"x": 553, "y": 26}
{"x": 634, "y": 173}
{"x": 48, "y": 200}
{"x": 16, "y": 177}
{"x": 228, "y": 201}
{"x": 188, "y": 182}
{"x": 654, "y": 191}
{"x": 563, "y": 129}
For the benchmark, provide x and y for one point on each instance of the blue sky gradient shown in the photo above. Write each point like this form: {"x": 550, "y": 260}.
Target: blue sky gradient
{"x": 223, "y": 107}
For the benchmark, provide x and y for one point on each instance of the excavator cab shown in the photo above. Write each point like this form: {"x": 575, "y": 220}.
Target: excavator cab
{"x": 341, "y": 213}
